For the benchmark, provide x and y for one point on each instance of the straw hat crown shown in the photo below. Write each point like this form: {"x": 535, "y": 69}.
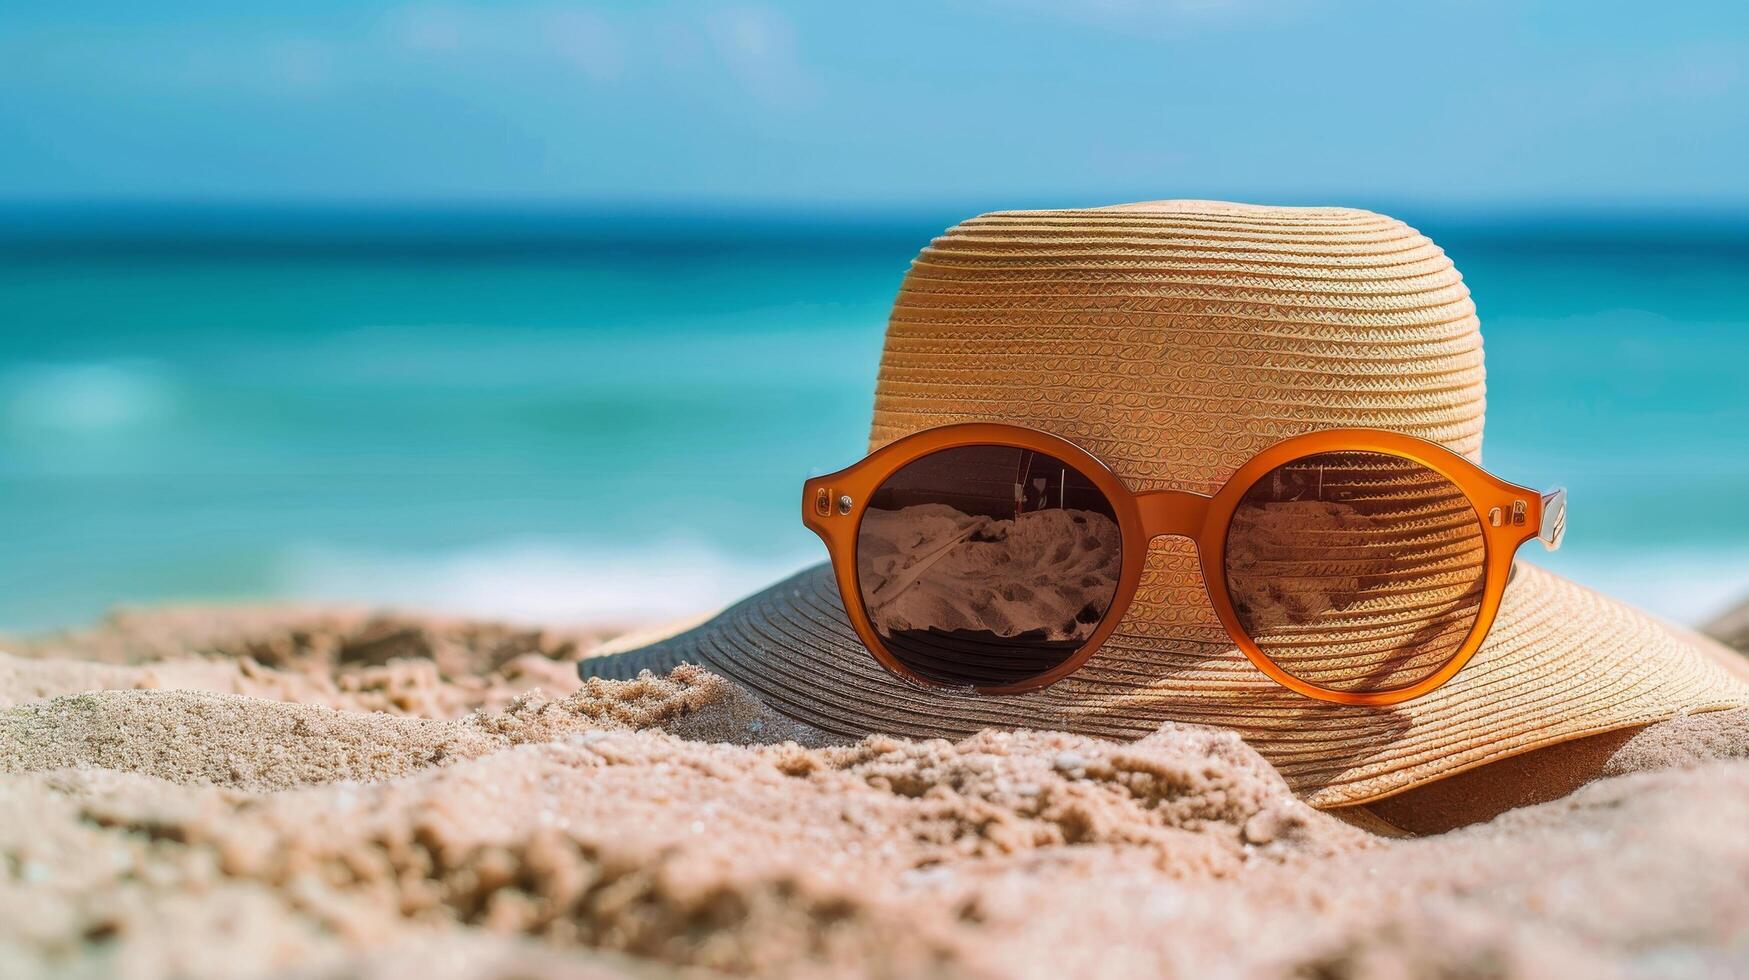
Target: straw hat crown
{"x": 1175, "y": 339}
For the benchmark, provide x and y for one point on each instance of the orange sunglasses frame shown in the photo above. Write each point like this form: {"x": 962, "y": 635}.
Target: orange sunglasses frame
{"x": 1510, "y": 515}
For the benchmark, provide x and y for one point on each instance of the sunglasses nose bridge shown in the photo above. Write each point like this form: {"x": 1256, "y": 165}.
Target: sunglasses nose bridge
{"x": 1178, "y": 513}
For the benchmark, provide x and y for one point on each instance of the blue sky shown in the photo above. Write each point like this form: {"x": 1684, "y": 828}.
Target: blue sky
{"x": 819, "y": 103}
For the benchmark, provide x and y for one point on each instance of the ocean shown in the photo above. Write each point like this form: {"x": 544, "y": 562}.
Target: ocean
{"x": 559, "y": 415}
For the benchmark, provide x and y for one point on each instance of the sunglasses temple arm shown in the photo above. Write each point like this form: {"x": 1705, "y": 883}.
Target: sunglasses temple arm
{"x": 1554, "y": 518}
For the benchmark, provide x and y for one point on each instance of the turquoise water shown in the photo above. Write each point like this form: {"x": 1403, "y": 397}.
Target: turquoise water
{"x": 569, "y": 416}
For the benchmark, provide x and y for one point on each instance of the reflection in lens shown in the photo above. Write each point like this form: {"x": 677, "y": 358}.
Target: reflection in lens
{"x": 1356, "y": 571}
{"x": 986, "y": 565}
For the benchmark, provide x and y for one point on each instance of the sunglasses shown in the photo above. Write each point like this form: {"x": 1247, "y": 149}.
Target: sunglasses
{"x": 1358, "y": 566}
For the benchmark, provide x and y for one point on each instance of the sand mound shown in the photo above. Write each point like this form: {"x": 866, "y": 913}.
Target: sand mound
{"x": 747, "y": 859}
{"x": 435, "y": 668}
{"x": 222, "y": 740}
{"x": 674, "y": 824}
{"x": 225, "y": 740}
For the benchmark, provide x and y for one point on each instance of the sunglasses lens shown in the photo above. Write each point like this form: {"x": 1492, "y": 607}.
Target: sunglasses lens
{"x": 1356, "y": 571}
{"x": 986, "y": 566}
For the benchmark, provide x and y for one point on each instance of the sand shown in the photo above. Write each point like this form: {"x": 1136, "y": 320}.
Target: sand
{"x": 295, "y": 793}
{"x": 1732, "y": 627}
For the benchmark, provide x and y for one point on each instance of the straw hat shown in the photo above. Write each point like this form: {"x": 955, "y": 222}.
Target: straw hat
{"x": 1174, "y": 340}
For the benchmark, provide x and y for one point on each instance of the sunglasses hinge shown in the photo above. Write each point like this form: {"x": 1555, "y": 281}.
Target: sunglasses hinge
{"x": 823, "y": 502}
{"x": 1498, "y": 517}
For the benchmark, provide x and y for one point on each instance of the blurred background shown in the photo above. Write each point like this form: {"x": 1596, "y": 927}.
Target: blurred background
{"x": 543, "y": 310}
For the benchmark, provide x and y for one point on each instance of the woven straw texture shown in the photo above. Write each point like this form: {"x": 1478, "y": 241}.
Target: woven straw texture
{"x": 1174, "y": 340}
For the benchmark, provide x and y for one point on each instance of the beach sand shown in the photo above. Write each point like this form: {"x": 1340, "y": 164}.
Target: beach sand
{"x": 198, "y": 792}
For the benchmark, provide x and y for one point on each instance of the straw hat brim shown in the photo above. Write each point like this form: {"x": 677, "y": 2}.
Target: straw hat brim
{"x": 1561, "y": 663}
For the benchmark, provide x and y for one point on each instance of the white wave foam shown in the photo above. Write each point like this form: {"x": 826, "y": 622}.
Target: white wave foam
{"x": 533, "y": 582}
